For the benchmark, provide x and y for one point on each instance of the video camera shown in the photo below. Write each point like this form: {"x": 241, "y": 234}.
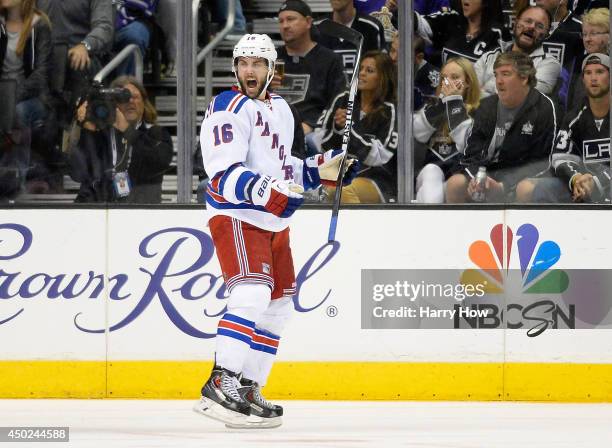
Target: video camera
{"x": 101, "y": 104}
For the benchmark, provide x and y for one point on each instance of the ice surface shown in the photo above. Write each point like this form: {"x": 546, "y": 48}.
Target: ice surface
{"x": 172, "y": 423}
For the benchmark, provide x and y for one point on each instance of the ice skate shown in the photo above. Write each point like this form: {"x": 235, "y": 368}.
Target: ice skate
{"x": 220, "y": 398}
{"x": 263, "y": 413}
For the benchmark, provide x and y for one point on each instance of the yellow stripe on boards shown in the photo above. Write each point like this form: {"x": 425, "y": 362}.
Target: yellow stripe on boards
{"x": 558, "y": 382}
{"x": 315, "y": 380}
{"x": 52, "y": 379}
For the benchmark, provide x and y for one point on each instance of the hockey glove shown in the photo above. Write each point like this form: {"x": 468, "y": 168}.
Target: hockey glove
{"x": 323, "y": 169}
{"x": 277, "y": 197}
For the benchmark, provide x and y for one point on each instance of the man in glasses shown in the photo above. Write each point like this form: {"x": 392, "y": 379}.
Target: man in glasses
{"x": 530, "y": 31}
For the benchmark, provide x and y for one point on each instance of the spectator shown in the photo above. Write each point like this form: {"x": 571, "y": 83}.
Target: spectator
{"x": 564, "y": 44}
{"x": 25, "y": 51}
{"x": 595, "y": 34}
{"x": 469, "y": 33}
{"x": 441, "y": 124}
{"x": 86, "y": 28}
{"x": 530, "y": 30}
{"x": 512, "y": 134}
{"x": 596, "y": 30}
{"x": 372, "y": 30}
{"x": 313, "y": 74}
{"x": 581, "y": 158}
{"x": 125, "y": 162}
{"x": 374, "y": 132}
{"x": 134, "y": 25}
{"x": 426, "y": 76}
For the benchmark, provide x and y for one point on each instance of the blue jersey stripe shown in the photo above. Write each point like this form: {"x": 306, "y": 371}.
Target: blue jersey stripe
{"x": 223, "y": 100}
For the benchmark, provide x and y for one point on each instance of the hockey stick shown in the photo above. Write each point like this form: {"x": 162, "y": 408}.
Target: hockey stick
{"x": 356, "y": 39}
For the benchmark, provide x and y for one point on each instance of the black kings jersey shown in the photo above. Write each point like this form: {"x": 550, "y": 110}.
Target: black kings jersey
{"x": 447, "y": 32}
{"x": 312, "y": 81}
{"x": 583, "y": 145}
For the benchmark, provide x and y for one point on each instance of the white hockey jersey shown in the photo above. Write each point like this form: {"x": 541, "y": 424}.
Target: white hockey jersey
{"x": 256, "y": 134}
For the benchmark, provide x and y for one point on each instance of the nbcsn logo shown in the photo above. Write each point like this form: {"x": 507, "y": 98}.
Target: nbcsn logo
{"x": 536, "y": 260}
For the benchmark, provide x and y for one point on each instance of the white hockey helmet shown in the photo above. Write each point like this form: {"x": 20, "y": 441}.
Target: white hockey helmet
{"x": 256, "y": 46}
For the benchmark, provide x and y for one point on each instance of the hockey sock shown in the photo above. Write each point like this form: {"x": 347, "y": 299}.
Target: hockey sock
{"x": 235, "y": 330}
{"x": 261, "y": 356}
{"x": 233, "y": 341}
{"x": 266, "y": 338}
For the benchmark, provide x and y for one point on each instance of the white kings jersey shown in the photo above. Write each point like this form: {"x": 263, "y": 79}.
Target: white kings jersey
{"x": 255, "y": 134}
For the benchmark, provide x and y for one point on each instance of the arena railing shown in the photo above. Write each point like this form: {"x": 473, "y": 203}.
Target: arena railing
{"x": 129, "y": 50}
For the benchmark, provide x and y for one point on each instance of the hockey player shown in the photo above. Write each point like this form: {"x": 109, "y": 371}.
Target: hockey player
{"x": 581, "y": 155}
{"x": 255, "y": 187}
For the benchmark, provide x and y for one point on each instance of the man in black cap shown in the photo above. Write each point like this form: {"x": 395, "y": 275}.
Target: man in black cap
{"x": 313, "y": 74}
{"x": 581, "y": 155}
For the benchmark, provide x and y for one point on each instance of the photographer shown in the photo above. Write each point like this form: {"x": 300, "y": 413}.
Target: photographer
{"x": 121, "y": 158}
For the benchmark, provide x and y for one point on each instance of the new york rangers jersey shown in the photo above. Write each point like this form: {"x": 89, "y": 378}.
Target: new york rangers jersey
{"x": 255, "y": 134}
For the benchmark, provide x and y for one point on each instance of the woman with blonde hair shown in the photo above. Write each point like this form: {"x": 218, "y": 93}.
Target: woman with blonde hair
{"x": 443, "y": 127}
{"x": 25, "y": 53}
{"x": 595, "y": 35}
{"x": 596, "y": 30}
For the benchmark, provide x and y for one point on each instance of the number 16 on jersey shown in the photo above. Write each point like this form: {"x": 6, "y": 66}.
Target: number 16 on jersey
{"x": 224, "y": 134}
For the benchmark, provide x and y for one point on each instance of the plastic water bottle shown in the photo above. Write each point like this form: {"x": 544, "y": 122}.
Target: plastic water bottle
{"x": 481, "y": 181}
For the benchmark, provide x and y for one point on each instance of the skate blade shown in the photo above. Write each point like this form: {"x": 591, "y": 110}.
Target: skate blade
{"x": 215, "y": 411}
{"x": 254, "y": 422}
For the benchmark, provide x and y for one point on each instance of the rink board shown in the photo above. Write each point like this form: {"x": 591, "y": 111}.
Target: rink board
{"x": 124, "y": 303}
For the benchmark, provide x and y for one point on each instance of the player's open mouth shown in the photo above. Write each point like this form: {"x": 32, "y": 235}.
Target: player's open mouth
{"x": 251, "y": 83}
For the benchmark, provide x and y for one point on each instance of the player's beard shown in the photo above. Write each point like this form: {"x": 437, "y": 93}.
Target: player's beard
{"x": 244, "y": 89}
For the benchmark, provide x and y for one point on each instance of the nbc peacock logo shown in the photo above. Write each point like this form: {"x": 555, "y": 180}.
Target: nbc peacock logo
{"x": 536, "y": 259}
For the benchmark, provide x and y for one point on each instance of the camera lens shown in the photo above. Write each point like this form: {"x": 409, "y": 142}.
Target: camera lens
{"x": 101, "y": 112}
